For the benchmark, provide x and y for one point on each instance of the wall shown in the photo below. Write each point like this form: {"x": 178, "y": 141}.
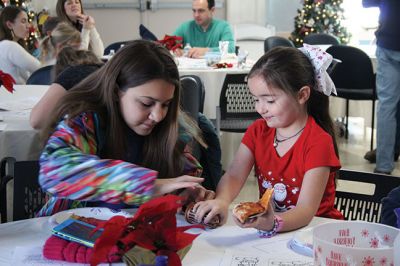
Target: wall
{"x": 281, "y": 14}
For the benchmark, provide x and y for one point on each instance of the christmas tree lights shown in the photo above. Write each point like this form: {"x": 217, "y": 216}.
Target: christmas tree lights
{"x": 319, "y": 16}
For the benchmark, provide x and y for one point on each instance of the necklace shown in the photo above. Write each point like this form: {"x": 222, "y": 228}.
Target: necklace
{"x": 277, "y": 141}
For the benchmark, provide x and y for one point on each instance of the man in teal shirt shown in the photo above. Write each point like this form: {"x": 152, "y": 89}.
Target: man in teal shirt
{"x": 204, "y": 33}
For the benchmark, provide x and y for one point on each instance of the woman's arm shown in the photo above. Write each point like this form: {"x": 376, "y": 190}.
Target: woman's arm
{"x": 42, "y": 111}
{"x": 22, "y": 59}
{"x": 71, "y": 169}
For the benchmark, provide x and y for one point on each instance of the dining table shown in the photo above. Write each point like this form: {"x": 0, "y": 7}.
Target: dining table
{"x": 21, "y": 243}
{"x": 17, "y": 137}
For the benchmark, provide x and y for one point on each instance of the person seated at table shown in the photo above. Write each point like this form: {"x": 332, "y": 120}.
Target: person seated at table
{"x": 292, "y": 147}
{"x": 118, "y": 141}
{"x": 61, "y": 36}
{"x": 204, "y": 32}
{"x": 72, "y": 66}
{"x": 71, "y": 11}
{"x": 14, "y": 58}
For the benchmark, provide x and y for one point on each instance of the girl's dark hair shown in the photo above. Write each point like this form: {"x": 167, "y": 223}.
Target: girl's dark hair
{"x": 9, "y": 13}
{"x": 60, "y": 10}
{"x": 289, "y": 69}
{"x": 135, "y": 64}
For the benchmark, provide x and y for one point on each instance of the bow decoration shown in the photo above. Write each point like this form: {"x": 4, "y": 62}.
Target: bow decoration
{"x": 172, "y": 42}
{"x": 7, "y": 81}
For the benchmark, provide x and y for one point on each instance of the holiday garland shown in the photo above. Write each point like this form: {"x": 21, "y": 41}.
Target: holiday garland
{"x": 319, "y": 16}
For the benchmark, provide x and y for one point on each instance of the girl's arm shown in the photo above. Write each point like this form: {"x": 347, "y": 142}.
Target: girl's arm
{"x": 42, "y": 111}
{"x": 228, "y": 187}
{"x": 71, "y": 169}
{"x": 311, "y": 193}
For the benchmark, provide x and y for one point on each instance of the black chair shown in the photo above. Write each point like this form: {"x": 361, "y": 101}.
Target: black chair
{"x": 146, "y": 34}
{"x": 354, "y": 79}
{"x": 42, "y": 76}
{"x": 114, "y": 46}
{"x": 28, "y": 197}
{"x": 321, "y": 38}
{"x": 236, "y": 110}
{"x": 365, "y": 205}
{"x": 274, "y": 41}
{"x": 193, "y": 94}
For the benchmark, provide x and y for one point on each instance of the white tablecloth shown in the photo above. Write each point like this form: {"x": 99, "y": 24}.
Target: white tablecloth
{"x": 210, "y": 248}
{"x": 17, "y": 137}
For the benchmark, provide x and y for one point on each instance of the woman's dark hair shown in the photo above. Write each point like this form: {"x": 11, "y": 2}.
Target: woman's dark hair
{"x": 9, "y": 13}
{"x": 135, "y": 64}
{"x": 287, "y": 68}
{"x": 60, "y": 10}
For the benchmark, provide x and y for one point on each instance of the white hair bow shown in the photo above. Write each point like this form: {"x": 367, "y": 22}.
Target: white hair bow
{"x": 320, "y": 61}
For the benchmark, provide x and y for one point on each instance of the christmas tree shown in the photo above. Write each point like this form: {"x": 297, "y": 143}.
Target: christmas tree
{"x": 32, "y": 40}
{"x": 319, "y": 16}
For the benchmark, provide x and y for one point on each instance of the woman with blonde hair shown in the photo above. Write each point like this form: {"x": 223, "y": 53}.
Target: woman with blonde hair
{"x": 71, "y": 11}
{"x": 63, "y": 35}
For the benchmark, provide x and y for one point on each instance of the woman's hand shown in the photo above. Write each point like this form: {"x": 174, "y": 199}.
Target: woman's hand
{"x": 264, "y": 222}
{"x": 86, "y": 21}
{"x": 207, "y": 210}
{"x": 168, "y": 185}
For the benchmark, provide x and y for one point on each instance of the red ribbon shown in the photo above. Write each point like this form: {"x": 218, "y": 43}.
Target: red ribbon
{"x": 7, "y": 81}
{"x": 153, "y": 227}
{"x": 171, "y": 42}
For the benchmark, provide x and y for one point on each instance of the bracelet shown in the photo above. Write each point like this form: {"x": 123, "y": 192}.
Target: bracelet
{"x": 278, "y": 224}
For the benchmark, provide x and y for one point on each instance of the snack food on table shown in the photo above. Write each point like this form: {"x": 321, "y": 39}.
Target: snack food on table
{"x": 246, "y": 210}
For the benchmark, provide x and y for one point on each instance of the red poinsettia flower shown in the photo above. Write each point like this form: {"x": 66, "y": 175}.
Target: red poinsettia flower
{"x": 153, "y": 227}
{"x": 7, "y": 81}
{"x": 172, "y": 42}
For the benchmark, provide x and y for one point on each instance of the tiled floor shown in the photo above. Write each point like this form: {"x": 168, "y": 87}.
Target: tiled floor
{"x": 351, "y": 153}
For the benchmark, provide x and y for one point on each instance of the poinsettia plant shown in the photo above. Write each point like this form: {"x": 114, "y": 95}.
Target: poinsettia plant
{"x": 7, "y": 81}
{"x": 153, "y": 228}
{"x": 172, "y": 42}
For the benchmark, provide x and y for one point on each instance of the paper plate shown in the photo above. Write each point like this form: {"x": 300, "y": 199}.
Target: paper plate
{"x": 95, "y": 212}
{"x": 302, "y": 242}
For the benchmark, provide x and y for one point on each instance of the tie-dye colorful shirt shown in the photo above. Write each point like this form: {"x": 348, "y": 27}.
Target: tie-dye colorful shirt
{"x": 72, "y": 173}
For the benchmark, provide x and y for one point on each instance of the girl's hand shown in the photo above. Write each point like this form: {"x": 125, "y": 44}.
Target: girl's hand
{"x": 264, "y": 222}
{"x": 168, "y": 185}
{"x": 196, "y": 194}
{"x": 207, "y": 210}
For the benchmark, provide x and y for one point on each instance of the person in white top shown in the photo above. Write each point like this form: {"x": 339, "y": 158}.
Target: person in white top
{"x": 14, "y": 59}
{"x": 72, "y": 12}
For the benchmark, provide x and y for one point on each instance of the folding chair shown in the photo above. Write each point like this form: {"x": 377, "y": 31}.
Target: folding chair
{"x": 42, "y": 76}
{"x": 236, "y": 110}
{"x": 321, "y": 38}
{"x": 192, "y": 96}
{"x": 363, "y": 205}
{"x": 28, "y": 197}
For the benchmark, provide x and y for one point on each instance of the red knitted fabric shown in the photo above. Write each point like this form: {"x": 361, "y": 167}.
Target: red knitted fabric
{"x": 57, "y": 248}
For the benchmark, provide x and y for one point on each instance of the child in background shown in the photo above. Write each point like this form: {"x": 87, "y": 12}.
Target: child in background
{"x": 292, "y": 148}
{"x": 117, "y": 144}
{"x": 61, "y": 36}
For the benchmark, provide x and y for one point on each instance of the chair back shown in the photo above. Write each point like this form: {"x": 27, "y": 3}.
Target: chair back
{"x": 28, "y": 196}
{"x": 321, "y": 38}
{"x": 355, "y": 70}
{"x": 274, "y": 41}
{"x": 236, "y": 109}
{"x": 192, "y": 94}
{"x": 114, "y": 46}
{"x": 363, "y": 205}
{"x": 42, "y": 76}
